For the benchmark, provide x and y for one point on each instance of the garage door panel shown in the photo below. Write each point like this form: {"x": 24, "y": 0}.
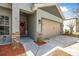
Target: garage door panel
{"x": 50, "y": 28}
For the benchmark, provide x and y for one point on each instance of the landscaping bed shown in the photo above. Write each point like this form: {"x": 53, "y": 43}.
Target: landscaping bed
{"x": 74, "y": 34}
{"x": 39, "y": 43}
{"x": 7, "y": 50}
{"x": 59, "y": 52}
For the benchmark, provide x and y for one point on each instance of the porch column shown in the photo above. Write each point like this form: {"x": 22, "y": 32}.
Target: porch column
{"x": 15, "y": 24}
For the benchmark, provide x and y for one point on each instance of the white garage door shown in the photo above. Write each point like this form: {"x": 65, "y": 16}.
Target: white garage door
{"x": 50, "y": 28}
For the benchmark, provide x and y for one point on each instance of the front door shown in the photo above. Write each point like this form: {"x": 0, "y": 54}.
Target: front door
{"x": 22, "y": 28}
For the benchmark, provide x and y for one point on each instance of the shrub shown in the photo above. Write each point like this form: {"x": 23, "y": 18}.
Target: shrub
{"x": 67, "y": 32}
{"x": 40, "y": 38}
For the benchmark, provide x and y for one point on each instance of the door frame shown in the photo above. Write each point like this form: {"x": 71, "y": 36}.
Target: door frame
{"x": 25, "y": 21}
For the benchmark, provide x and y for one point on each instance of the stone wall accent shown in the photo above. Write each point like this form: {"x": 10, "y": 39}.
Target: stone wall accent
{"x": 16, "y": 36}
{"x": 15, "y": 39}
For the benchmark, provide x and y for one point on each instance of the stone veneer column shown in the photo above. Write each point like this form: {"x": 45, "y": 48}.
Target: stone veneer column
{"x": 15, "y": 24}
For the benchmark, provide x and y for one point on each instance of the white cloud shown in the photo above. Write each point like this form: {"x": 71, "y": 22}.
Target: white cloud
{"x": 69, "y": 14}
{"x": 68, "y": 17}
{"x": 64, "y": 9}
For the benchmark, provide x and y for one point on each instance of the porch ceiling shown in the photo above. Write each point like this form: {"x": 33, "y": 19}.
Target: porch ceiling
{"x": 24, "y": 11}
{"x": 52, "y": 10}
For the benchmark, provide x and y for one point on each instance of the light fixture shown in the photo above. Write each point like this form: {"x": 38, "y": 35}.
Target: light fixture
{"x": 39, "y": 21}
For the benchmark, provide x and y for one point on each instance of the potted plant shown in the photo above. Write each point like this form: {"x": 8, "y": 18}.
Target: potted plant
{"x": 40, "y": 39}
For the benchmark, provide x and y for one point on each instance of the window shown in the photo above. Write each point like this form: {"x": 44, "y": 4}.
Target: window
{"x": 6, "y": 20}
{"x": 4, "y": 25}
{"x": 1, "y": 20}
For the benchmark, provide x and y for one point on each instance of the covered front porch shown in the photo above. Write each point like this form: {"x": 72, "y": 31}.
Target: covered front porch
{"x": 22, "y": 25}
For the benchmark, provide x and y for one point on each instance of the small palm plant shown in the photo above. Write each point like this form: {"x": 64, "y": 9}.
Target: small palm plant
{"x": 39, "y": 41}
{"x": 40, "y": 38}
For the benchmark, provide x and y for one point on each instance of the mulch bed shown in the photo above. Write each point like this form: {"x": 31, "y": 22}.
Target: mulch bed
{"x": 7, "y": 50}
{"x": 59, "y": 52}
{"x": 39, "y": 43}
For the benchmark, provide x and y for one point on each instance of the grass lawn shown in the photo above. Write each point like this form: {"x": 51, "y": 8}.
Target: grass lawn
{"x": 59, "y": 52}
{"x": 75, "y": 33}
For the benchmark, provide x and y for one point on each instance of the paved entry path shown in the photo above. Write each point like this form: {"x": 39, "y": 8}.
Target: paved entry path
{"x": 62, "y": 41}
{"x": 73, "y": 49}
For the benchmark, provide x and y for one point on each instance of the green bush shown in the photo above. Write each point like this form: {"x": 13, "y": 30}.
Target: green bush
{"x": 67, "y": 32}
{"x": 40, "y": 39}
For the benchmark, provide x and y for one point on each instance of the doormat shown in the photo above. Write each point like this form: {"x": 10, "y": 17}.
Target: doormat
{"x": 7, "y": 50}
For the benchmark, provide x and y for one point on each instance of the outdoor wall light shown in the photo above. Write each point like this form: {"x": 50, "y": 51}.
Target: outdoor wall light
{"x": 39, "y": 21}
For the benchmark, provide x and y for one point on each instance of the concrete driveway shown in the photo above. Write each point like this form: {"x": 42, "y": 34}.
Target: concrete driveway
{"x": 62, "y": 41}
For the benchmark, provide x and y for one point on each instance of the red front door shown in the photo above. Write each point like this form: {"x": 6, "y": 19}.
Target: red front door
{"x": 22, "y": 28}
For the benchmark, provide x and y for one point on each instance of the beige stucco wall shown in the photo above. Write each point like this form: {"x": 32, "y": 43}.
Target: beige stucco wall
{"x": 25, "y": 6}
{"x": 31, "y": 19}
{"x": 6, "y": 12}
{"x": 15, "y": 18}
{"x": 6, "y": 5}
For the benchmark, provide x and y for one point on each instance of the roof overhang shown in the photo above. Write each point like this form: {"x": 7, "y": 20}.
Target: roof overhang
{"x": 52, "y": 9}
{"x": 60, "y": 11}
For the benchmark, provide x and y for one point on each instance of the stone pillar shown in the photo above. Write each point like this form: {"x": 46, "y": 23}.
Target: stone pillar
{"x": 15, "y": 24}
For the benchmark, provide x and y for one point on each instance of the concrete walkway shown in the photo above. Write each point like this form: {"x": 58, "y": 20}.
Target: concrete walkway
{"x": 62, "y": 41}
{"x": 73, "y": 49}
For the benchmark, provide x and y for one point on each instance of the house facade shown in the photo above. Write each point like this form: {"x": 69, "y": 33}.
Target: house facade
{"x": 29, "y": 19}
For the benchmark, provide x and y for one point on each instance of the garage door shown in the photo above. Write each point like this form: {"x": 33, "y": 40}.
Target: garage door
{"x": 50, "y": 28}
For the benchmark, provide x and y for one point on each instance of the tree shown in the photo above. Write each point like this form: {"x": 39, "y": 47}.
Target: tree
{"x": 71, "y": 25}
{"x": 76, "y": 11}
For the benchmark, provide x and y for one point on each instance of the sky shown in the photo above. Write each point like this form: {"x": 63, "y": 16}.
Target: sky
{"x": 67, "y": 9}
